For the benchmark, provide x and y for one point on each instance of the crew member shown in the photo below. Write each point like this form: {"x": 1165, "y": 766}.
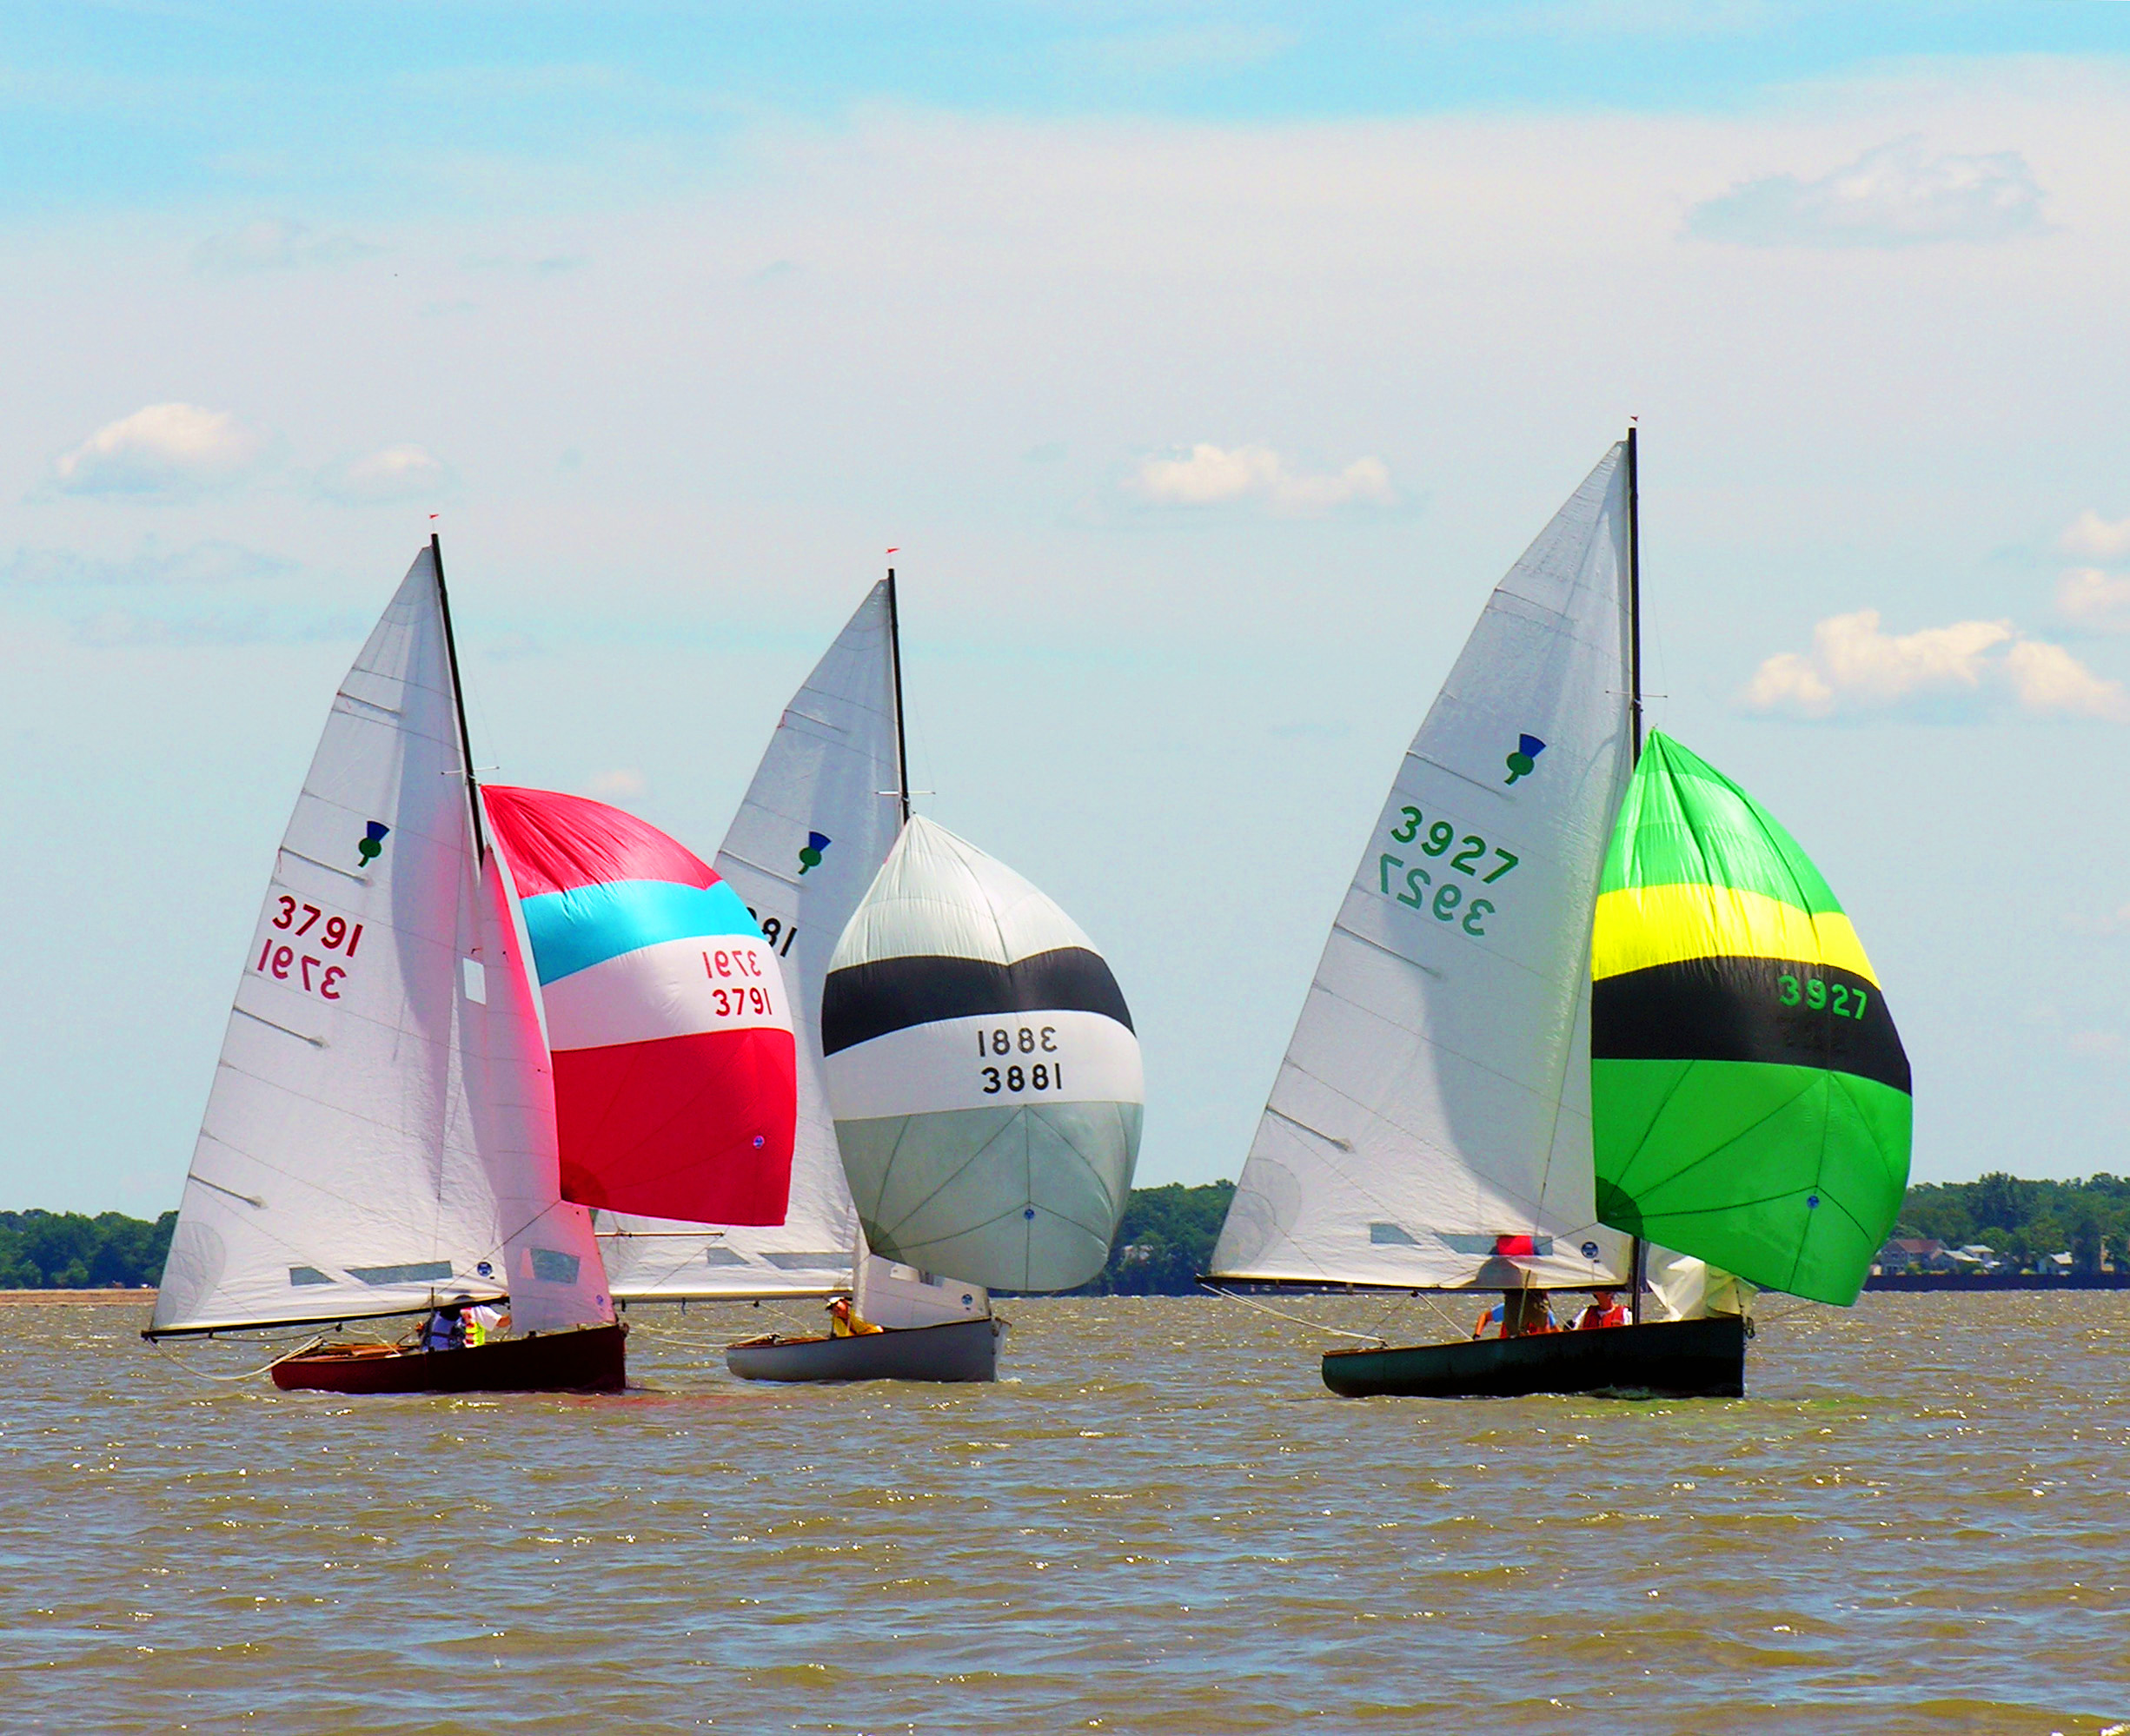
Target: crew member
{"x": 1605, "y": 1309}
{"x": 445, "y": 1329}
{"x": 1520, "y": 1314}
{"x": 844, "y": 1321}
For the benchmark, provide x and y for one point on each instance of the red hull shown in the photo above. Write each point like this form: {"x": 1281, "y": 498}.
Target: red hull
{"x": 593, "y": 1359}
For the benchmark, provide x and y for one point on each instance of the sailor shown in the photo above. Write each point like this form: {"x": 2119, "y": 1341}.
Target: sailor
{"x": 480, "y": 1321}
{"x": 1518, "y": 1315}
{"x": 1605, "y": 1309}
{"x": 445, "y": 1329}
{"x": 844, "y": 1321}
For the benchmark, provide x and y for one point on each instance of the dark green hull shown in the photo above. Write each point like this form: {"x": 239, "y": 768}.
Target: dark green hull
{"x": 1673, "y": 1359}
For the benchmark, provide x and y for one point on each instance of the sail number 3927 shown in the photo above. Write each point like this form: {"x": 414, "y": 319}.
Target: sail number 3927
{"x": 1413, "y": 886}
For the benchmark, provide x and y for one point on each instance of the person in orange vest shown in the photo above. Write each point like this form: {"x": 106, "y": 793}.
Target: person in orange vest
{"x": 1605, "y": 1309}
{"x": 1520, "y": 1314}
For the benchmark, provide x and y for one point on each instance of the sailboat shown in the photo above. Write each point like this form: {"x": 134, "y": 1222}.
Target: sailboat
{"x": 1576, "y": 997}
{"x": 1001, "y": 1169}
{"x": 380, "y": 1136}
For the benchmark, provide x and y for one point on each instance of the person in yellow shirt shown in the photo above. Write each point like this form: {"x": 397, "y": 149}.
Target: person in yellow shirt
{"x": 844, "y": 1321}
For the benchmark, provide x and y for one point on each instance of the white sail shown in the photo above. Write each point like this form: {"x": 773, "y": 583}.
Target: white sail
{"x": 1430, "y": 1122}
{"x": 827, "y": 789}
{"x": 889, "y": 1294}
{"x": 985, "y": 1075}
{"x": 378, "y": 1132}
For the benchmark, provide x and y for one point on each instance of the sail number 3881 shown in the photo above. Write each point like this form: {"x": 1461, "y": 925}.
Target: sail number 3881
{"x": 1016, "y": 1077}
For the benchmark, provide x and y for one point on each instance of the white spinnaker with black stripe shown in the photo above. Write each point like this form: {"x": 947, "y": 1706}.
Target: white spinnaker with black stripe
{"x": 985, "y": 1075}
{"x": 1433, "y": 1103}
{"x": 381, "y": 1130}
{"x": 830, "y": 770}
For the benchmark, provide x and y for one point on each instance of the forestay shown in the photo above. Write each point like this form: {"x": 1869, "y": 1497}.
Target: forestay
{"x": 1429, "y": 1125}
{"x": 816, "y": 825}
{"x": 379, "y": 1130}
{"x": 983, "y": 1069}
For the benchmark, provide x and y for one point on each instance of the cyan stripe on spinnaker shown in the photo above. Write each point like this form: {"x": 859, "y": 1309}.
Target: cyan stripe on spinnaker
{"x": 574, "y": 931}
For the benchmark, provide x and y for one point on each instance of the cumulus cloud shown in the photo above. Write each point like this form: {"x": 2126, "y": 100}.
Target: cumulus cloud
{"x": 1856, "y": 668}
{"x": 164, "y": 449}
{"x": 2096, "y": 600}
{"x": 276, "y": 244}
{"x": 1896, "y": 195}
{"x": 397, "y": 473}
{"x": 1213, "y": 475}
{"x": 2091, "y": 534}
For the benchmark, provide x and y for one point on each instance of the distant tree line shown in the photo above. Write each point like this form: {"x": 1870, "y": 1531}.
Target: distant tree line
{"x": 2025, "y": 1220}
{"x": 65, "y": 1250}
{"x": 1165, "y": 1241}
{"x": 1168, "y": 1233}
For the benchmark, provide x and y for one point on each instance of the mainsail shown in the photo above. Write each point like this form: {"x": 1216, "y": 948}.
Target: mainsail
{"x": 1429, "y": 1125}
{"x": 817, "y": 823}
{"x": 380, "y": 1129}
{"x": 983, "y": 1069}
{"x": 1751, "y": 1095}
{"x": 668, "y": 1020}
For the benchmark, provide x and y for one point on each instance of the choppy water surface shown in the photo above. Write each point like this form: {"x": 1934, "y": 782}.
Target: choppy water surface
{"x": 1162, "y": 1523}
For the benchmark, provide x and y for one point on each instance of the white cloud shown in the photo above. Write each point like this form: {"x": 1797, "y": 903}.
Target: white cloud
{"x": 1216, "y": 476}
{"x": 276, "y": 244}
{"x": 2091, "y": 534}
{"x": 1855, "y": 669}
{"x": 397, "y": 473}
{"x": 618, "y": 785}
{"x": 2099, "y": 601}
{"x": 164, "y": 449}
{"x": 1894, "y": 196}
{"x": 2049, "y": 680}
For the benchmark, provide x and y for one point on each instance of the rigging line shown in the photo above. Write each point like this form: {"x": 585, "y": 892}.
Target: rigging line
{"x": 316, "y": 1338}
{"x": 1278, "y": 1313}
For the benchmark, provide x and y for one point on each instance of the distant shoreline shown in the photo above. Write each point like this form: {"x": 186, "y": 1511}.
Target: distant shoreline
{"x": 1997, "y": 1280}
{"x": 103, "y": 1297}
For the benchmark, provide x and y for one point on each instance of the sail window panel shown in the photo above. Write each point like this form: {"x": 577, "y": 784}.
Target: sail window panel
{"x": 551, "y": 1266}
{"x": 818, "y": 1260}
{"x": 301, "y": 1276}
{"x": 407, "y": 1272}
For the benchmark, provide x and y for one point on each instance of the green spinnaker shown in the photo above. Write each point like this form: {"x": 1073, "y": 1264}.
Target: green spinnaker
{"x": 1749, "y": 1095}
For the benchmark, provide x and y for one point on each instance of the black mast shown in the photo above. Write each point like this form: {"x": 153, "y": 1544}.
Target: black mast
{"x": 1634, "y": 711}
{"x": 458, "y": 701}
{"x": 894, "y": 655}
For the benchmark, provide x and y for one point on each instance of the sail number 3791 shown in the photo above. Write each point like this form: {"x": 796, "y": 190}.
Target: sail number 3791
{"x": 300, "y": 968}
{"x": 1411, "y": 885}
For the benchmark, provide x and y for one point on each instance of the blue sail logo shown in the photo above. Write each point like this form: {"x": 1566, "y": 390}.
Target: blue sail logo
{"x": 371, "y": 844}
{"x": 810, "y": 856}
{"x": 1524, "y": 760}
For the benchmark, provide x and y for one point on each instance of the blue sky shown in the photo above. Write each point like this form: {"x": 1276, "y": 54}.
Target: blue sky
{"x": 1209, "y": 364}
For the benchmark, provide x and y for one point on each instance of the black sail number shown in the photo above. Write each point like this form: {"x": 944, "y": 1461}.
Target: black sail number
{"x": 1027, "y": 1070}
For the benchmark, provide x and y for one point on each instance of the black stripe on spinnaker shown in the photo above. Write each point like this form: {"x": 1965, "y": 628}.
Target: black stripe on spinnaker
{"x": 1724, "y": 1009}
{"x": 861, "y": 1001}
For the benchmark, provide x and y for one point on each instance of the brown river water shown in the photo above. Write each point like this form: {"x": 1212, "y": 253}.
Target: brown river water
{"x": 1161, "y": 1522}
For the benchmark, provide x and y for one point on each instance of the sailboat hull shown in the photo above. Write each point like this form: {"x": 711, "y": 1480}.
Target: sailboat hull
{"x": 593, "y": 1359}
{"x": 957, "y": 1350}
{"x": 1669, "y": 1359}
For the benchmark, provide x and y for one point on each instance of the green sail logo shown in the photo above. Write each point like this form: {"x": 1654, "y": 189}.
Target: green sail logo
{"x": 1524, "y": 760}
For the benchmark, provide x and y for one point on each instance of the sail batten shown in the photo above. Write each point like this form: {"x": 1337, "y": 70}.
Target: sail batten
{"x": 1429, "y": 1124}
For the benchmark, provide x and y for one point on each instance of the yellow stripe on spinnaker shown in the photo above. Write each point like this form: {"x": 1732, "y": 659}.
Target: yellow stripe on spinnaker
{"x": 1637, "y": 927}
